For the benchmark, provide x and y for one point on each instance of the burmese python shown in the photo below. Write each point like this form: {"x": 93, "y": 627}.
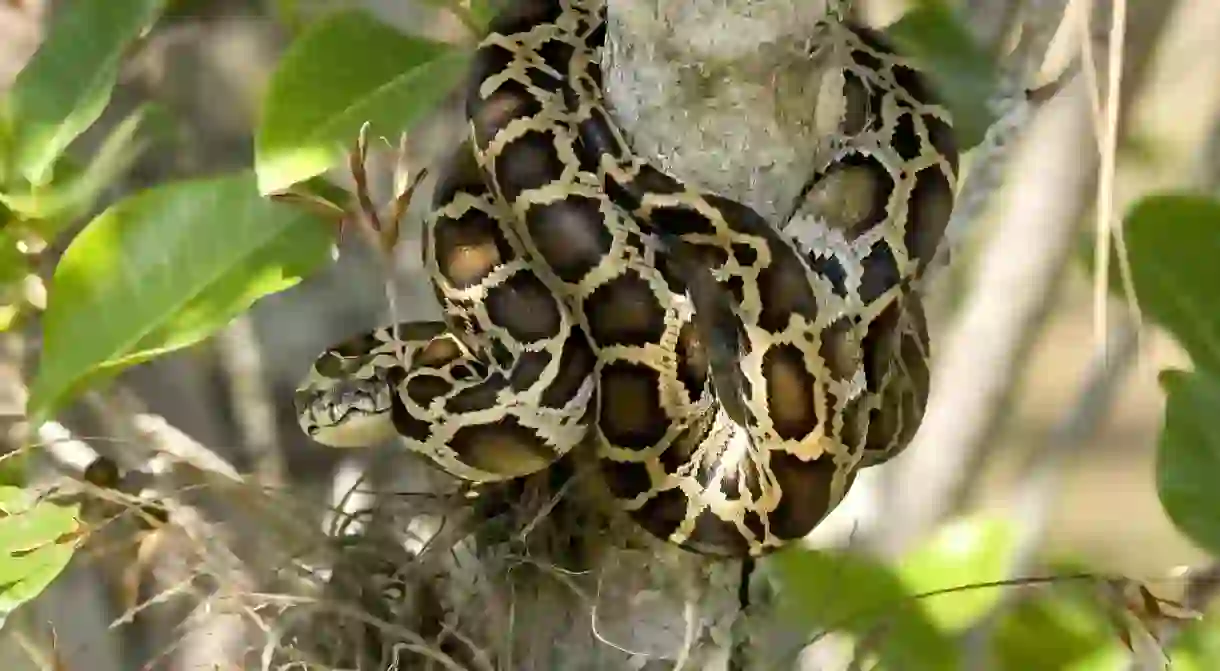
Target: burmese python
{"x": 735, "y": 380}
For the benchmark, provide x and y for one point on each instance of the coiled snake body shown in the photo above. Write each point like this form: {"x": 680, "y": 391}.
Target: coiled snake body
{"x": 735, "y": 381}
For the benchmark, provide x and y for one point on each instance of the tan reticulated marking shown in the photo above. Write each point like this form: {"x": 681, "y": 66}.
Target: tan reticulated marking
{"x": 820, "y": 358}
{"x": 583, "y": 266}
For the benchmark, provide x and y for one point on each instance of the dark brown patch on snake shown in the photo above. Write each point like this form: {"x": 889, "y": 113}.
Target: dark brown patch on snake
{"x": 853, "y": 195}
{"x": 677, "y": 456}
{"x": 896, "y": 366}
{"x": 677, "y": 219}
{"x": 632, "y": 415}
{"x": 879, "y": 344}
{"x": 626, "y": 479}
{"x": 512, "y": 100}
{"x": 912, "y": 82}
{"x": 858, "y": 116}
{"x": 556, "y": 54}
{"x": 929, "y": 216}
{"x": 789, "y": 392}
{"x": 838, "y": 349}
{"x": 468, "y": 248}
{"x": 880, "y": 272}
{"x": 505, "y": 447}
{"x": 491, "y": 60}
{"x": 806, "y": 493}
{"x": 437, "y": 353}
{"x": 525, "y": 307}
{"x": 662, "y": 514}
{"x": 906, "y": 140}
{"x": 624, "y": 311}
{"x": 715, "y": 536}
{"x": 334, "y": 366}
{"x": 543, "y": 80}
{"x": 567, "y": 240}
{"x": 744, "y": 476}
{"x": 406, "y": 424}
{"x": 784, "y": 292}
{"x": 357, "y": 347}
{"x": 575, "y": 365}
{"x": 830, "y": 268}
{"x": 423, "y": 388}
{"x": 941, "y": 135}
{"x": 477, "y": 397}
{"x": 522, "y": 15}
{"x": 535, "y": 162}
{"x": 529, "y": 368}
{"x": 865, "y": 59}
{"x": 657, "y": 182}
{"x": 692, "y": 361}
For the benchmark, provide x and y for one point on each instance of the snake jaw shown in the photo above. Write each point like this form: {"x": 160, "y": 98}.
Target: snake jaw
{"x": 346, "y": 413}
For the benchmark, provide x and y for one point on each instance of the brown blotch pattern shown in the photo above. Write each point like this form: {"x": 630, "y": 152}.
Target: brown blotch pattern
{"x": 790, "y": 388}
{"x": 806, "y": 488}
{"x": 566, "y": 239}
{"x": 631, "y": 412}
{"x": 525, "y": 307}
{"x": 624, "y": 311}
{"x": 506, "y": 447}
{"x": 468, "y": 248}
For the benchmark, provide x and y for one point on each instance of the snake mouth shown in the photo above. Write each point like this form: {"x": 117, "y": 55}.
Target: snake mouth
{"x": 347, "y": 413}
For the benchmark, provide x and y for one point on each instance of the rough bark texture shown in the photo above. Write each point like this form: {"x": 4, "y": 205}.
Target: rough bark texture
{"x": 722, "y": 93}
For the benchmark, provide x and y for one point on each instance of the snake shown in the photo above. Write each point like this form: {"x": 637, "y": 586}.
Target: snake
{"x": 733, "y": 378}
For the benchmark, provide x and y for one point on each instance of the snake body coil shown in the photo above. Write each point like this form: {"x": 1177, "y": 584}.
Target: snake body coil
{"x": 735, "y": 381}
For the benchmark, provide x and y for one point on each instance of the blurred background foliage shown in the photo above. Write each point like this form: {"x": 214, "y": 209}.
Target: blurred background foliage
{"x": 141, "y": 264}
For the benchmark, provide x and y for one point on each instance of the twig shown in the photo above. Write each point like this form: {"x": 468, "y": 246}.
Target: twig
{"x": 980, "y": 360}
{"x": 240, "y": 356}
{"x": 1043, "y": 475}
{"x": 1108, "y": 135}
{"x": 1202, "y": 588}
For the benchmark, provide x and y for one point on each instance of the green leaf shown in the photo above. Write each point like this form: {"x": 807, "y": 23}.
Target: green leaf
{"x": 1052, "y": 627}
{"x": 37, "y": 539}
{"x": 856, "y": 595}
{"x": 1188, "y": 456}
{"x": 1172, "y": 241}
{"x": 68, "y": 82}
{"x": 13, "y": 264}
{"x": 483, "y": 11}
{"x": 61, "y": 202}
{"x": 343, "y": 71}
{"x": 163, "y": 270}
{"x": 14, "y": 267}
{"x": 963, "y": 553}
{"x": 960, "y": 69}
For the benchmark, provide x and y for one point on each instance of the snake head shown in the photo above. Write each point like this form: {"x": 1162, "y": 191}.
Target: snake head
{"x": 347, "y": 398}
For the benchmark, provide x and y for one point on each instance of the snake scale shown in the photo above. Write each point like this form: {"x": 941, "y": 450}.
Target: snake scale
{"x": 735, "y": 380}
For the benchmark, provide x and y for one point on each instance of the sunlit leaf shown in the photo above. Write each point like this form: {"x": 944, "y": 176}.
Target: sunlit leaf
{"x": 856, "y": 595}
{"x": 965, "y": 553}
{"x": 69, "y": 80}
{"x": 1173, "y": 240}
{"x": 961, "y": 70}
{"x": 37, "y": 538}
{"x": 164, "y": 269}
{"x": 343, "y": 71}
{"x": 59, "y": 203}
{"x": 1188, "y": 456}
